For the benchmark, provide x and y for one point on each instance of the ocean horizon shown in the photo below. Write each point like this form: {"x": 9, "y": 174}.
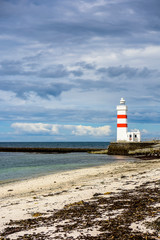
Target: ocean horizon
{"x": 66, "y": 144}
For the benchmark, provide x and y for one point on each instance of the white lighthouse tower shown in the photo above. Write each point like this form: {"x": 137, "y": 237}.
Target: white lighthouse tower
{"x": 122, "y": 125}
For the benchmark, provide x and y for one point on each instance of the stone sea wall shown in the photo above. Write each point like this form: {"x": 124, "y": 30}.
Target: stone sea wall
{"x": 146, "y": 149}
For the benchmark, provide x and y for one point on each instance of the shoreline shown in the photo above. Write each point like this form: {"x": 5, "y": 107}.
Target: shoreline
{"x": 48, "y": 194}
{"x": 50, "y": 173}
{"x": 34, "y": 181}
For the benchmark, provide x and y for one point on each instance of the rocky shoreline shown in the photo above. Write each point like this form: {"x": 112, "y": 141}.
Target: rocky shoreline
{"x": 141, "y": 150}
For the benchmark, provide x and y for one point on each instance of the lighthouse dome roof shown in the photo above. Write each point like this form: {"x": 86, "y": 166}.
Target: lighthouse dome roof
{"x": 122, "y": 101}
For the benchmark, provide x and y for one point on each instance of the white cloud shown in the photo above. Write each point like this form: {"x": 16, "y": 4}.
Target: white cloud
{"x": 35, "y": 128}
{"x": 149, "y": 51}
{"x": 94, "y": 131}
{"x": 55, "y": 129}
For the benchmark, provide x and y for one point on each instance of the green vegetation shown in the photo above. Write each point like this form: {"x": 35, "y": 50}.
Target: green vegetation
{"x": 104, "y": 151}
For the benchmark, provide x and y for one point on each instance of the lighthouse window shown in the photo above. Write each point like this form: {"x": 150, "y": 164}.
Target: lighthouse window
{"x": 130, "y": 136}
{"x": 135, "y": 136}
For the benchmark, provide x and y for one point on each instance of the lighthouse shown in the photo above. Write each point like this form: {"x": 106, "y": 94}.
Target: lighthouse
{"x": 122, "y": 125}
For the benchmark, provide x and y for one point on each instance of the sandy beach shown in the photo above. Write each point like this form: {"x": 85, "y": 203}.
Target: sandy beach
{"x": 37, "y": 201}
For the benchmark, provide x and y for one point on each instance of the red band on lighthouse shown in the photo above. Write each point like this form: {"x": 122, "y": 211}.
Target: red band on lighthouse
{"x": 122, "y": 125}
{"x": 121, "y": 116}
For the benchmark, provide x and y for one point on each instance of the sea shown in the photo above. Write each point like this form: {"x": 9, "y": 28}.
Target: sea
{"x": 19, "y": 166}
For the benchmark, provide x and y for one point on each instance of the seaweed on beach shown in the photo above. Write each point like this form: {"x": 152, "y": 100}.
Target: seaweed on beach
{"x": 111, "y": 215}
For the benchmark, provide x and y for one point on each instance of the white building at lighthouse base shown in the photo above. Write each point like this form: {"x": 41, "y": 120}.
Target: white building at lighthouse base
{"x": 134, "y": 136}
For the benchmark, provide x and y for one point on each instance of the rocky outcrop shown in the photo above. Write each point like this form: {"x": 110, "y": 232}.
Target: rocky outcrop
{"x": 141, "y": 148}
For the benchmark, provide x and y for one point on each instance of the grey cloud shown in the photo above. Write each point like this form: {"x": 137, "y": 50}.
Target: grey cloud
{"x": 127, "y": 71}
{"x": 85, "y": 65}
{"x": 47, "y": 89}
{"x": 42, "y": 89}
{"x": 34, "y": 57}
{"x": 51, "y": 81}
{"x": 145, "y": 117}
{"x": 11, "y": 68}
{"x": 35, "y": 113}
{"x": 49, "y": 22}
{"x": 154, "y": 90}
{"x": 77, "y": 73}
{"x": 53, "y": 89}
{"x": 108, "y": 84}
{"x": 54, "y": 71}
{"x": 149, "y": 10}
{"x": 76, "y": 116}
{"x": 83, "y": 29}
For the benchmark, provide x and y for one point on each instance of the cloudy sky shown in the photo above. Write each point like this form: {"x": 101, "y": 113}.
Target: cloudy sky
{"x": 65, "y": 64}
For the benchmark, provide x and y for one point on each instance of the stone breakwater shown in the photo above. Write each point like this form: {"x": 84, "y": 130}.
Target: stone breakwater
{"x": 143, "y": 149}
{"x": 47, "y": 150}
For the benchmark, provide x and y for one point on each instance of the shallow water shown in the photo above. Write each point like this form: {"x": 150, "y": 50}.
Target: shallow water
{"x": 17, "y": 166}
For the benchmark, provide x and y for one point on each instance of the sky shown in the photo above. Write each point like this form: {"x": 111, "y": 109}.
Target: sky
{"x": 65, "y": 64}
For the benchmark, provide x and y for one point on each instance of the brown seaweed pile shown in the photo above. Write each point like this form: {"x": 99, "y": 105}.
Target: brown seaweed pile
{"x": 105, "y": 216}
